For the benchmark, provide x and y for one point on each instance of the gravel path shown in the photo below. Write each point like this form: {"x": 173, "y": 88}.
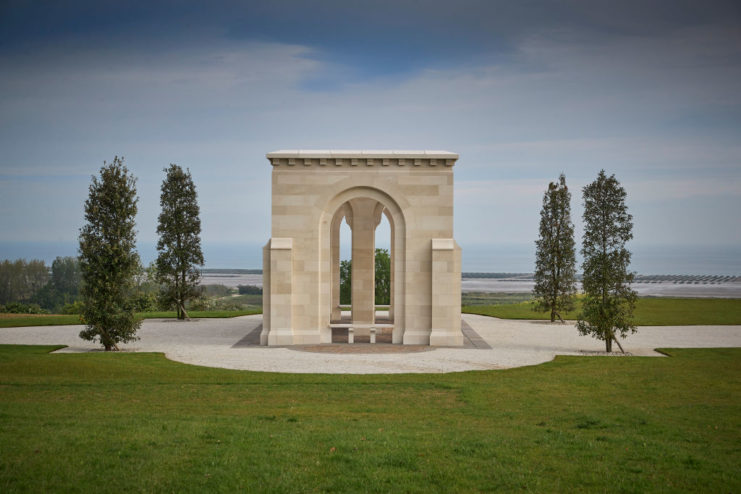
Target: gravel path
{"x": 211, "y": 342}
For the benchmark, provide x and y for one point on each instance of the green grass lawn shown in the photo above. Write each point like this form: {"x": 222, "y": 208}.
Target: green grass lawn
{"x": 19, "y": 320}
{"x": 659, "y": 311}
{"x": 113, "y": 422}
{"x": 489, "y": 298}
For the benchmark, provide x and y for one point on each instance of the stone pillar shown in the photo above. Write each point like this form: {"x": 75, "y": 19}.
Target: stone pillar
{"x": 265, "y": 294}
{"x": 446, "y": 293}
{"x": 363, "y": 260}
{"x": 392, "y": 253}
{"x": 281, "y": 291}
{"x": 336, "y": 314}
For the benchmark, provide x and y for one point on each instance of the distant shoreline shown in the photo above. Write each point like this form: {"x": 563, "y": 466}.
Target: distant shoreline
{"x": 639, "y": 278}
{"x": 683, "y": 286}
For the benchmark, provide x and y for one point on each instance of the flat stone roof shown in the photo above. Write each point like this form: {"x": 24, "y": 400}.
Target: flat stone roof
{"x": 368, "y": 154}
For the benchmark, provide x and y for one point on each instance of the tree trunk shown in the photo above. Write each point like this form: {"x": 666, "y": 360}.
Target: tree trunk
{"x": 618, "y": 344}
{"x": 553, "y": 314}
{"x": 109, "y": 344}
{"x": 608, "y": 342}
{"x": 185, "y": 314}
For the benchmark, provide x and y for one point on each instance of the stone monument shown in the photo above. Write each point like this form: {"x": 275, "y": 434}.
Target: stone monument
{"x": 312, "y": 192}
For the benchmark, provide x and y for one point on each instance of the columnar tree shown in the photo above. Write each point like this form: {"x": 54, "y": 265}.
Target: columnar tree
{"x": 607, "y": 311}
{"x": 346, "y": 282}
{"x": 555, "y": 276}
{"x": 108, "y": 259}
{"x": 179, "y": 243}
{"x": 383, "y": 277}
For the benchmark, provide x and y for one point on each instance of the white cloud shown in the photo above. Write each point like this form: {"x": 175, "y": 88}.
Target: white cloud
{"x": 218, "y": 108}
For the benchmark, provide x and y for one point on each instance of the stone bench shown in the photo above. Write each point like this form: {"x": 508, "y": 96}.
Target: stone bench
{"x": 351, "y": 330}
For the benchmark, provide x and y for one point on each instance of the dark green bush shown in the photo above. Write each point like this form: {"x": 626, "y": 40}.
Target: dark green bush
{"x": 20, "y": 308}
{"x": 249, "y": 290}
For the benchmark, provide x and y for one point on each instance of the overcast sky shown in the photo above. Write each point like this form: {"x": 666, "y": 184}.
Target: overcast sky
{"x": 522, "y": 90}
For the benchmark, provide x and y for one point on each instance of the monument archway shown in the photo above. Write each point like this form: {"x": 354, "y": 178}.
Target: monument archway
{"x": 312, "y": 191}
{"x": 362, "y": 207}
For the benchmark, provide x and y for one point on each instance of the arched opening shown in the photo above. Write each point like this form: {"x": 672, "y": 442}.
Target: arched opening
{"x": 345, "y": 279}
{"x": 384, "y": 277}
{"x": 375, "y": 222}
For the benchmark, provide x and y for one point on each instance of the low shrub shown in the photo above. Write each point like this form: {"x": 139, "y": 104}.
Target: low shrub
{"x": 249, "y": 290}
{"x": 73, "y": 308}
{"x": 20, "y": 308}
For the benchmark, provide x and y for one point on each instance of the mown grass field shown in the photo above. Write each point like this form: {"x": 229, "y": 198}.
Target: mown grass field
{"x": 20, "y": 320}
{"x": 137, "y": 422}
{"x": 659, "y": 311}
{"x": 650, "y": 311}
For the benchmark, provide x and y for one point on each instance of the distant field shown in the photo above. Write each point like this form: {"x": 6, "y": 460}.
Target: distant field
{"x": 487, "y": 298}
{"x": 20, "y": 320}
{"x": 137, "y": 422}
{"x": 649, "y": 311}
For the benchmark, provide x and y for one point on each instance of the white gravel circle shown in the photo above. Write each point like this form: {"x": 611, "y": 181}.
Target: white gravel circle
{"x": 210, "y": 342}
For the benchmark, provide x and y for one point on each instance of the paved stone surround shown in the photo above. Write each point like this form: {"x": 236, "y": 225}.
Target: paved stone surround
{"x": 215, "y": 343}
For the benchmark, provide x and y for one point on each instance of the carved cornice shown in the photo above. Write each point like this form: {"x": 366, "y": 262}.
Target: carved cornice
{"x": 348, "y": 159}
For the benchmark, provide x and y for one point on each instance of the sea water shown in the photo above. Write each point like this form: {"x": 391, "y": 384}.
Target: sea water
{"x": 509, "y": 258}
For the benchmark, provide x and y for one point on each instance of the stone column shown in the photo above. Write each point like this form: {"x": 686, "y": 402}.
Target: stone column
{"x": 265, "y": 294}
{"x": 392, "y": 253}
{"x": 336, "y": 314}
{"x": 363, "y": 260}
{"x": 446, "y": 293}
{"x": 281, "y": 292}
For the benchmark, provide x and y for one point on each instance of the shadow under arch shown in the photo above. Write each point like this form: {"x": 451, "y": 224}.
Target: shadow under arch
{"x": 333, "y": 211}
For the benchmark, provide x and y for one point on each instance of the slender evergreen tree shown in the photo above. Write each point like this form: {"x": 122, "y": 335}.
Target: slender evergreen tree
{"x": 108, "y": 259}
{"x": 555, "y": 274}
{"x": 179, "y": 243}
{"x": 607, "y": 311}
{"x": 346, "y": 282}
{"x": 383, "y": 277}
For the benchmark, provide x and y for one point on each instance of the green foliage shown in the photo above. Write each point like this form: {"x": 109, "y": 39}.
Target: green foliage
{"x": 20, "y": 308}
{"x": 245, "y": 301}
{"x": 75, "y": 307}
{"x": 70, "y": 419}
{"x": 66, "y": 276}
{"x": 249, "y": 290}
{"x": 555, "y": 274}
{"x": 179, "y": 243}
{"x": 203, "y": 303}
{"x": 63, "y": 287}
{"x": 217, "y": 290}
{"x": 145, "y": 302}
{"x": 607, "y": 309}
{"x": 21, "y": 279}
{"x": 346, "y": 282}
{"x": 383, "y": 277}
{"x": 108, "y": 259}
